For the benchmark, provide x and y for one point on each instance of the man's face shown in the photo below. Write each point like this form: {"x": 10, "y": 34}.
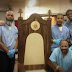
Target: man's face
{"x": 64, "y": 47}
{"x": 9, "y": 16}
{"x": 69, "y": 15}
{"x": 59, "y": 19}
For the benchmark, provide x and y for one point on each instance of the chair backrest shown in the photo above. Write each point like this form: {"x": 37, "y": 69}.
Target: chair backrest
{"x": 35, "y": 35}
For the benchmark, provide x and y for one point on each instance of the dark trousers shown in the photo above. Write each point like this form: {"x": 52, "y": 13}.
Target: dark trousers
{"x": 6, "y": 64}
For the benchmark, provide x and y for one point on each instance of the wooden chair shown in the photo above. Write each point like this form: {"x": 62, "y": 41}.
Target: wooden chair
{"x": 34, "y": 28}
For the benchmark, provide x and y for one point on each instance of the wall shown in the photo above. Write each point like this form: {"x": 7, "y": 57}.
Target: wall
{"x": 41, "y": 7}
{"x": 15, "y": 5}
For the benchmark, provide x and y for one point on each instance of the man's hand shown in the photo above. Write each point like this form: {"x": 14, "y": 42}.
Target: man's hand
{"x": 57, "y": 41}
{"x": 11, "y": 53}
{"x": 60, "y": 70}
{"x": 1, "y": 22}
{"x": 70, "y": 70}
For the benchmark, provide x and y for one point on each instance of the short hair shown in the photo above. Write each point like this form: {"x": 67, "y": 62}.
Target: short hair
{"x": 9, "y": 11}
{"x": 59, "y": 14}
{"x": 64, "y": 40}
{"x": 68, "y": 11}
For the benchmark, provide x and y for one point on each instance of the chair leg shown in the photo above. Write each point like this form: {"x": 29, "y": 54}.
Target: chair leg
{"x": 20, "y": 68}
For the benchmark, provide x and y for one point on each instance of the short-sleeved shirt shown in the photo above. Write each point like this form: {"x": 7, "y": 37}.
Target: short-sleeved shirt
{"x": 68, "y": 24}
{"x": 9, "y": 36}
{"x": 64, "y": 62}
{"x": 57, "y": 34}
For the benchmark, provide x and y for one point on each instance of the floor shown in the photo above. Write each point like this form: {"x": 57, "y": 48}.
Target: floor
{"x": 36, "y": 71}
{"x": 16, "y": 63}
{"x": 16, "y": 66}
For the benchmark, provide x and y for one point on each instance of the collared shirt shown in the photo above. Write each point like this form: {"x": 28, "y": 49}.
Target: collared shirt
{"x": 64, "y": 62}
{"x": 9, "y": 36}
{"x": 57, "y": 34}
{"x": 68, "y": 24}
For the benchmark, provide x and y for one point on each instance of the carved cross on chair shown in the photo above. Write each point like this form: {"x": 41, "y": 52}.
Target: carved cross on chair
{"x": 20, "y": 11}
{"x": 49, "y": 13}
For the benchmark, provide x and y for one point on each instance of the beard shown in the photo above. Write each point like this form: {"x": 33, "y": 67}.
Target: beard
{"x": 9, "y": 22}
{"x": 59, "y": 24}
{"x": 70, "y": 19}
{"x": 64, "y": 51}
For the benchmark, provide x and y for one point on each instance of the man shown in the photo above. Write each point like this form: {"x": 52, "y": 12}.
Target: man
{"x": 68, "y": 24}
{"x": 8, "y": 43}
{"x": 61, "y": 58}
{"x": 59, "y": 32}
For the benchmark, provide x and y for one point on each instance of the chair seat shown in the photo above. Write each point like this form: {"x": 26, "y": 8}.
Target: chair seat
{"x": 36, "y": 70}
